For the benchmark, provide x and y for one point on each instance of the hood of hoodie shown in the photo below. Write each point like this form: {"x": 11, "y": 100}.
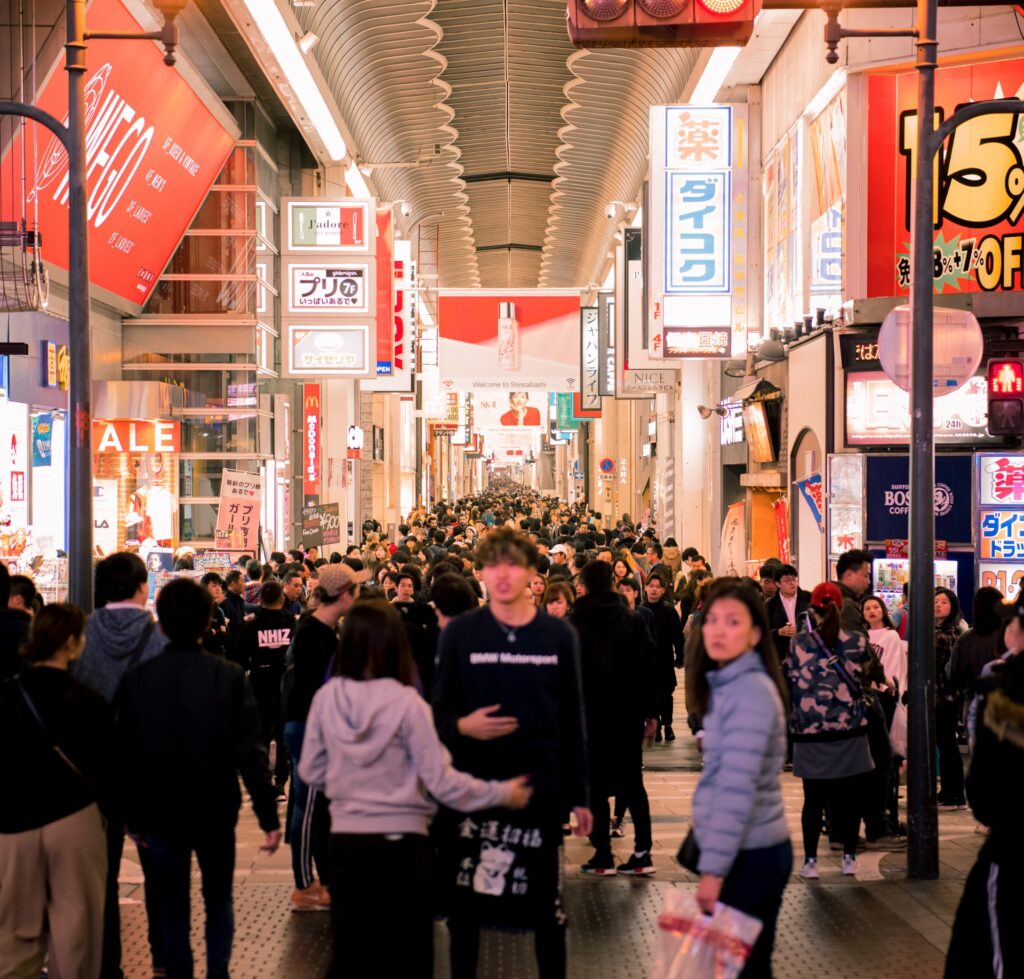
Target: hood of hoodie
{"x": 365, "y": 715}
{"x": 601, "y": 609}
{"x": 117, "y": 631}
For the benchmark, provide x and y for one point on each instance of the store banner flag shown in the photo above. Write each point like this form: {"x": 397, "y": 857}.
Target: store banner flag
{"x": 42, "y": 439}
{"x": 810, "y": 490}
{"x": 238, "y": 517}
{"x": 781, "y": 510}
{"x": 734, "y": 540}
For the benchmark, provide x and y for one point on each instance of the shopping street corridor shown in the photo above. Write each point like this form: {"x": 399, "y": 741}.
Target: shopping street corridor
{"x": 875, "y": 927}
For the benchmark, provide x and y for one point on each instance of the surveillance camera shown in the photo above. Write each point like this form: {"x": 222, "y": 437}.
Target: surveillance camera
{"x": 609, "y": 211}
{"x": 406, "y": 209}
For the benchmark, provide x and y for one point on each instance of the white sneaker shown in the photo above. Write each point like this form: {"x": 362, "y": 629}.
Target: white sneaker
{"x": 849, "y": 865}
{"x": 809, "y": 871}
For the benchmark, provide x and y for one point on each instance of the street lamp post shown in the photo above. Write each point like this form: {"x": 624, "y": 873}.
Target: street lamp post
{"x": 78, "y": 503}
{"x": 922, "y": 817}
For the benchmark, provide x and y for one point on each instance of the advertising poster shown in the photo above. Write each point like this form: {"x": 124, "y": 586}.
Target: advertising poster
{"x": 827, "y": 137}
{"x": 515, "y": 410}
{"x": 238, "y": 517}
{"x": 979, "y": 193}
{"x": 494, "y": 342}
{"x": 734, "y": 540}
{"x": 1000, "y": 522}
{"x": 888, "y": 497}
{"x": 329, "y": 287}
{"x": 42, "y": 440}
{"x": 153, "y": 150}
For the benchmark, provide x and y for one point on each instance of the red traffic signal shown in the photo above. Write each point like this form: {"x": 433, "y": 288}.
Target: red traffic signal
{"x": 661, "y": 23}
{"x": 1006, "y": 396}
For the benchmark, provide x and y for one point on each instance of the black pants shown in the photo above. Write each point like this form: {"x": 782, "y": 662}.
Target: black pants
{"x": 380, "y": 906}
{"x": 754, "y": 886}
{"x": 548, "y": 943}
{"x": 987, "y": 939}
{"x": 841, "y": 798}
{"x": 266, "y": 687}
{"x": 627, "y": 785}
{"x": 892, "y": 791}
{"x": 877, "y": 782}
{"x": 951, "y": 766}
{"x": 666, "y": 708}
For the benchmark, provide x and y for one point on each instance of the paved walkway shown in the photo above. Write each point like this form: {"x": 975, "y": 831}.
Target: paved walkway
{"x": 875, "y": 927}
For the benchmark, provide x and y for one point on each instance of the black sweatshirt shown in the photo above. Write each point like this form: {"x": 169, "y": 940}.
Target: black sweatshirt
{"x": 41, "y": 786}
{"x": 313, "y": 645}
{"x": 535, "y": 679}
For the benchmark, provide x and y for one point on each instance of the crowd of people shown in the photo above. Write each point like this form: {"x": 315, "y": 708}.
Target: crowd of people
{"x": 442, "y": 708}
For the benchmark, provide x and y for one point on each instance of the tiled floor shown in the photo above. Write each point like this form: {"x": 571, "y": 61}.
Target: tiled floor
{"x": 877, "y": 926}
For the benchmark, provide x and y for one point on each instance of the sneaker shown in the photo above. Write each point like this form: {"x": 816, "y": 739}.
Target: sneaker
{"x": 637, "y": 865}
{"x": 312, "y": 898}
{"x": 670, "y": 735}
{"x": 886, "y": 843}
{"x": 809, "y": 871}
{"x": 617, "y": 831}
{"x": 850, "y": 866}
{"x": 600, "y": 866}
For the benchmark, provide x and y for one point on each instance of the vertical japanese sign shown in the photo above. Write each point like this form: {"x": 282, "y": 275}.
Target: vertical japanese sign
{"x": 699, "y": 295}
{"x": 385, "y": 291}
{"x": 311, "y": 438}
{"x": 1000, "y": 522}
{"x": 238, "y": 517}
{"x": 606, "y": 344}
{"x": 783, "y": 214}
{"x": 827, "y": 134}
{"x": 590, "y": 359}
{"x": 979, "y": 186}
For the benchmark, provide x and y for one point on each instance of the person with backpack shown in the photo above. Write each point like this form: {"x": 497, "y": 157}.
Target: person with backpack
{"x": 120, "y": 634}
{"x": 53, "y": 845}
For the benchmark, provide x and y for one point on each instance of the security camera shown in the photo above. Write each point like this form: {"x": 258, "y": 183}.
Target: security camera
{"x": 609, "y": 211}
{"x": 406, "y": 209}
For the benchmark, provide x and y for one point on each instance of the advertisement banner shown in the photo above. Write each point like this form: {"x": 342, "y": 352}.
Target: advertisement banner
{"x": 781, "y": 511}
{"x": 734, "y": 541}
{"x": 979, "y": 190}
{"x": 124, "y": 435}
{"x": 783, "y": 284}
{"x": 1000, "y": 522}
{"x": 590, "y": 359}
{"x": 888, "y": 498}
{"x": 699, "y": 214}
{"x": 311, "y": 439}
{"x": 153, "y": 150}
{"x": 493, "y": 342}
{"x": 810, "y": 491}
{"x": 517, "y": 409}
{"x": 827, "y": 140}
{"x": 385, "y": 299}
{"x": 606, "y": 345}
{"x": 403, "y": 321}
{"x": 329, "y": 287}
{"x": 238, "y": 516}
{"x": 326, "y": 350}
{"x": 42, "y": 439}
{"x": 321, "y": 525}
{"x": 316, "y": 225}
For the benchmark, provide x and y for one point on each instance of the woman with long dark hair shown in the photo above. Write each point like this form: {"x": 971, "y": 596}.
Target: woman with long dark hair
{"x": 947, "y": 702}
{"x": 829, "y": 725}
{"x": 370, "y": 745}
{"x": 979, "y": 645}
{"x": 739, "y": 821}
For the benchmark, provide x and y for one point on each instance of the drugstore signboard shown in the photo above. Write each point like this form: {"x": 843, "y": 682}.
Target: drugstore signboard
{"x": 153, "y": 150}
{"x": 978, "y": 209}
{"x": 1000, "y": 521}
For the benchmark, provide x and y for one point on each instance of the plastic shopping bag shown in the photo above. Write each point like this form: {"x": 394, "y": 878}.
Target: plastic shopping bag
{"x": 693, "y": 945}
{"x": 898, "y": 730}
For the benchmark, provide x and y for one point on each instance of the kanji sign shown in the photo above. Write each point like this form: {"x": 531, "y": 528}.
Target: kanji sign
{"x": 1000, "y": 526}
{"x": 316, "y": 350}
{"x": 329, "y": 288}
{"x": 238, "y": 517}
{"x": 590, "y": 359}
{"x": 698, "y": 299}
{"x": 979, "y": 186}
{"x": 1001, "y": 479}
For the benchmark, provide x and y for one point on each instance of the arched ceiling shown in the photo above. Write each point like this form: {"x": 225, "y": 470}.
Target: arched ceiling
{"x": 510, "y": 141}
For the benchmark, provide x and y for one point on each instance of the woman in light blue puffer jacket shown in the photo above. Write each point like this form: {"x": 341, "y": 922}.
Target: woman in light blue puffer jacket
{"x": 738, "y": 816}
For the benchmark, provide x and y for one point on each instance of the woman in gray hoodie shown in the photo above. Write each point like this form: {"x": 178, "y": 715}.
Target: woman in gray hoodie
{"x": 371, "y": 747}
{"x": 738, "y": 818}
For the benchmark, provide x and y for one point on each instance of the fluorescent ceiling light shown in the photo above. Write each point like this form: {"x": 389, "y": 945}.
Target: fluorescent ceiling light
{"x": 267, "y": 17}
{"x": 356, "y": 181}
{"x": 715, "y": 71}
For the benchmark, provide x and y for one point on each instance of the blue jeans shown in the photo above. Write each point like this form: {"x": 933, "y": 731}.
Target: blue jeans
{"x": 309, "y": 822}
{"x": 168, "y": 871}
{"x": 754, "y": 886}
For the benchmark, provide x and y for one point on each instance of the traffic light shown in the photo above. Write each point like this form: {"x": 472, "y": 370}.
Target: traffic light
{"x": 661, "y": 23}
{"x": 1006, "y": 396}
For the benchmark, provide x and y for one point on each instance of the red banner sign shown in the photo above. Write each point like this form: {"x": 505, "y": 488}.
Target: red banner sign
{"x": 153, "y": 150}
{"x": 385, "y": 287}
{"x": 979, "y": 177}
{"x": 311, "y": 436}
{"x": 123, "y": 435}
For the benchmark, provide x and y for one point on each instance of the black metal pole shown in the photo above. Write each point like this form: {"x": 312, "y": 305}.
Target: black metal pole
{"x": 78, "y": 503}
{"x": 922, "y": 818}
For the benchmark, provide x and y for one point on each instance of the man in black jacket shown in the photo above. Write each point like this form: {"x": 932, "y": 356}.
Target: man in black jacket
{"x": 786, "y": 608}
{"x": 668, "y": 642}
{"x": 14, "y": 625}
{"x": 262, "y": 646}
{"x": 187, "y": 726}
{"x": 617, "y": 667}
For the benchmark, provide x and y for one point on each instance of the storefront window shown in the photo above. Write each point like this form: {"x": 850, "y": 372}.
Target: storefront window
{"x": 220, "y": 433}
{"x": 134, "y": 500}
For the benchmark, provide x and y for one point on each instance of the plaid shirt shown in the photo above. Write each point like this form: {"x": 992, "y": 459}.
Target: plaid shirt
{"x": 252, "y": 591}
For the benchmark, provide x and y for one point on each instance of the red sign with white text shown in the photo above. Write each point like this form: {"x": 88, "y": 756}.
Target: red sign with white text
{"x": 153, "y": 150}
{"x": 311, "y": 436}
{"x": 122, "y": 435}
{"x": 385, "y": 286}
{"x": 979, "y": 176}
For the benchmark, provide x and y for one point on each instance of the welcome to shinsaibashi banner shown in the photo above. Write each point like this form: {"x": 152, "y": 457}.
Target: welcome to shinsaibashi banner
{"x": 979, "y": 192}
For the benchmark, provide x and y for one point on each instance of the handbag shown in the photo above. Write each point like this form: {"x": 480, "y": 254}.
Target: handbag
{"x": 898, "y": 730}
{"x": 688, "y": 856}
